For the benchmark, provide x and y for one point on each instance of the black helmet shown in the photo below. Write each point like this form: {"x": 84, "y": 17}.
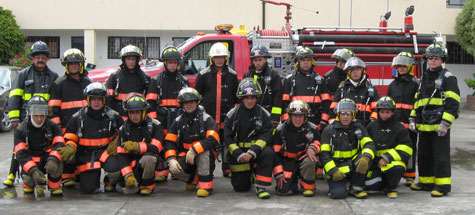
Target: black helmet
{"x": 188, "y": 94}
{"x": 170, "y": 53}
{"x": 386, "y": 102}
{"x": 248, "y": 87}
{"x": 72, "y": 56}
{"x": 37, "y": 105}
{"x": 95, "y": 89}
{"x": 260, "y": 51}
{"x": 343, "y": 54}
{"x": 298, "y": 107}
{"x": 303, "y": 52}
{"x": 436, "y": 50}
{"x": 39, "y": 47}
{"x": 130, "y": 50}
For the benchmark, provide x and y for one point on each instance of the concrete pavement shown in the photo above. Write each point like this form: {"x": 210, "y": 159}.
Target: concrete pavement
{"x": 171, "y": 197}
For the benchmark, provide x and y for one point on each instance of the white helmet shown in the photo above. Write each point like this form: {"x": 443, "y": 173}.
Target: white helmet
{"x": 218, "y": 49}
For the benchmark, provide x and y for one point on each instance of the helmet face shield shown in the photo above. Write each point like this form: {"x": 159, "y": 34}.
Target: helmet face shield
{"x": 343, "y": 54}
{"x": 38, "y": 110}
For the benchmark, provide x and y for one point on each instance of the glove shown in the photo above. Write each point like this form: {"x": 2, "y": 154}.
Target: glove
{"x": 190, "y": 156}
{"x": 38, "y": 177}
{"x": 442, "y": 129}
{"x": 130, "y": 181}
{"x": 67, "y": 152}
{"x": 412, "y": 125}
{"x": 174, "y": 167}
{"x": 131, "y": 146}
{"x": 148, "y": 163}
{"x": 362, "y": 165}
{"x": 112, "y": 147}
{"x": 338, "y": 176}
{"x": 51, "y": 166}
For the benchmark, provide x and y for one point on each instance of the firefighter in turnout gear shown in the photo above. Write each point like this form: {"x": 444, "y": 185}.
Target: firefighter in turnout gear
{"x": 306, "y": 85}
{"x": 403, "y": 90}
{"x": 218, "y": 84}
{"x": 127, "y": 79}
{"x": 36, "y": 79}
{"x": 36, "y": 142}
{"x": 358, "y": 88}
{"x": 346, "y": 153}
{"x": 91, "y": 141}
{"x": 435, "y": 108}
{"x": 296, "y": 146}
{"x": 393, "y": 149}
{"x": 162, "y": 94}
{"x": 190, "y": 144}
{"x": 248, "y": 135}
{"x": 140, "y": 142}
{"x": 337, "y": 75}
{"x": 270, "y": 81}
{"x": 67, "y": 98}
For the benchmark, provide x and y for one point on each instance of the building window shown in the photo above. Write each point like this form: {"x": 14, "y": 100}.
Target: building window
{"x": 457, "y": 55}
{"x": 53, "y": 44}
{"x": 455, "y": 3}
{"x": 178, "y": 40}
{"x": 150, "y": 49}
{"x": 77, "y": 43}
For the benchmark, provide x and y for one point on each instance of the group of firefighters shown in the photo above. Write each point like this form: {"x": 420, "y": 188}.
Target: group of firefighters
{"x": 139, "y": 130}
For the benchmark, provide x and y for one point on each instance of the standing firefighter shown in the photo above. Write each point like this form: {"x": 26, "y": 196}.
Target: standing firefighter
{"x": 218, "y": 84}
{"x": 67, "y": 98}
{"x": 36, "y": 79}
{"x": 306, "y": 85}
{"x": 436, "y": 107}
{"x": 358, "y": 88}
{"x": 36, "y": 142}
{"x": 337, "y": 75}
{"x": 162, "y": 94}
{"x": 140, "y": 143}
{"x": 269, "y": 79}
{"x": 190, "y": 144}
{"x": 248, "y": 135}
{"x": 403, "y": 90}
{"x": 296, "y": 145}
{"x": 91, "y": 141}
{"x": 347, "y": 151}
{"x": 127, "y": 79}
{"x": 393, "y": 149}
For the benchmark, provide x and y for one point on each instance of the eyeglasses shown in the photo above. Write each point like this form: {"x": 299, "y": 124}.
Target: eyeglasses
{"x": 346, "y": 113}
{"x": 433, "y": 58}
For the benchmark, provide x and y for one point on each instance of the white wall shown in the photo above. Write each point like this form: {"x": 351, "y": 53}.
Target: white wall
{"x": 462, "y": 71}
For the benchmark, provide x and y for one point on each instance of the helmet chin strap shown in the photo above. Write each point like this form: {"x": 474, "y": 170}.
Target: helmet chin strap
{"x": 36, "y": 124}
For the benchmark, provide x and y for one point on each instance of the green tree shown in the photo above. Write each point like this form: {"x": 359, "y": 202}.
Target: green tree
{"x": 12, "y": 40}
{"x": 465, "y": 27}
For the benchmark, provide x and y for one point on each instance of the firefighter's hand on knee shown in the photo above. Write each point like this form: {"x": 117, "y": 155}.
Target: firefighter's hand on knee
{"x": 382, "y": 163}
{"x": 38, "y": 176}
{"x": 174, "y": 167}
{"x": 245, "y": 158}
{"x": 362, "y": 165}
{"x": 51, "y": 166}
{"x": 112, "y": 147}
{"x": 131, "y": 146}
{"x": 190, "y": 156}
{"x": 412, "y": 125}
{"x": 338, "y": 176}
{"x": 312, "y": 155}
{"x": 443, "y": 128}
{"x": 280, "y": 182}
{"x": 67, "y": 152}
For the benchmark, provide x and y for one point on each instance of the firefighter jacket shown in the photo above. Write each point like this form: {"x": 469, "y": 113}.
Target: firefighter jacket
{"x": 196, "y": 131}
{"x": 309, "y": 88}
{"x": 33, "y": 144}
{"x": 67, "y": 97}
{"x": 271, "y": 85}
{"x": 340, "y": 146}
{"x": 364, "y": 94}
{"x": 218, "y": 91}
{"x": 402, "y": 91}
{"x": 162, "y": 96}
{"x": 392, "y": 142}
{"x": 333, "y": 79}
{"x": 149, "y": 136}
{"x": 437, "y": 100}
{"x": 291, "y": 143}
{"x": 123, "y": 82}
{"x": 243, "y": 127}
{"x": 91, "y": 131}
{"x": 28, "y": 83}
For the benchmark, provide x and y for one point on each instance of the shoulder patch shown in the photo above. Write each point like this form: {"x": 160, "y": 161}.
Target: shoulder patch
{"x": 279, "y": 127}
{"x": 448, "y": 74}
{"x": 205, "y": 116}
{"x": 60, "y": 79}
{"x": 312, "y": 126}
{"x": 231, "y": 112}
{"x": 178, "y": 118}
{"x": 232, "y": 71}
{"x": 205, "y": 70}
{"x": 155, "y": 122}
{"x": 288, "y": 76}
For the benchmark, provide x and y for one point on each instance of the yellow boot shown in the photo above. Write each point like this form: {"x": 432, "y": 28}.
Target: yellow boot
{"x": 57, "y": 192}
{"x": 359, "y": 194}
{"x": 145, "y": 192}
{"x": 436, "y": 193}
{"x": 308, "y": 193}
{"x": 10, "y": 180}
{"x": 202, "y": 193}
{"x": 131, "y": 182}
